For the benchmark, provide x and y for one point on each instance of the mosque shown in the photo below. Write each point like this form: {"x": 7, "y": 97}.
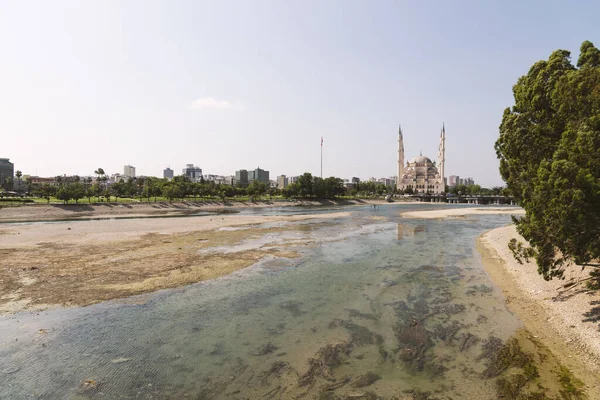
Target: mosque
{"x": 421, "y": 174}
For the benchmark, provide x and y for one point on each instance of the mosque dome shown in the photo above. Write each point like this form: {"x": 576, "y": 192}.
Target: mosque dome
{"x": 421, "y": 160}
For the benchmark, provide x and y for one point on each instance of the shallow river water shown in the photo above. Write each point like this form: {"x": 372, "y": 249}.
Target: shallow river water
{"x": 380, "y": 306}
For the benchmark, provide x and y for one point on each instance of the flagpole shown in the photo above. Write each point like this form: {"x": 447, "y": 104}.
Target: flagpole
{"x": 321, "y": 157}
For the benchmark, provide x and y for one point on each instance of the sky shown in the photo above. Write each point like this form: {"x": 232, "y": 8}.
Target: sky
{"x": 230, "y": 85}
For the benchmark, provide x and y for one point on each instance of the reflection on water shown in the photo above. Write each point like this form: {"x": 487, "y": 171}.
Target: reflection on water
{"x": 390, "y": 309}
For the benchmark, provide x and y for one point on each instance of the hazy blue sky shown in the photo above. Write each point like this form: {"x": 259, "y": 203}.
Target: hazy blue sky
{"x": 229, "y": 85}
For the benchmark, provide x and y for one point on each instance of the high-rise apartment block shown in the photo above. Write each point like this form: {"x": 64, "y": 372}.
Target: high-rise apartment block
{"x": 241, "y": 177}
{"x": 259, "y": 175}
{"x": 129, "y": 171}
{"x": 7, "y": 171}
{"x": 453, "y": 180}
{"x": 244, "y": 177}
{"x": 168, "y": 173}
{"x": 282, "y": 182}
{"x": 192, "y": 172}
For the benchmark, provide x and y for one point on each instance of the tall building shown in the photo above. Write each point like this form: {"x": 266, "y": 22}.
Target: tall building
{"x": 168, "y": 173}
{"x": 241, "y": 177}
{"x": 282, "y": 181}
{"x": 7, "y": 171}
{"x": 258, "y": 175}
{"x": 421, "y": 174}
{"x": 453, "y": 180}
{"x": 129, "y": 171}
{"x": 192, "y": 172}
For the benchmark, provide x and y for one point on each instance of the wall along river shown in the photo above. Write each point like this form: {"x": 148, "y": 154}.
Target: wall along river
{"x": 380, "y": 307}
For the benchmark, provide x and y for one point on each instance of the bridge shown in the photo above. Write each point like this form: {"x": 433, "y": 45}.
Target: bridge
{"x": 464, "y": 199}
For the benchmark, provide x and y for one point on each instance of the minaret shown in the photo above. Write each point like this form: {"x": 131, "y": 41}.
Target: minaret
{"x": 400, "y": 157}
{"x": 442, "y": 154}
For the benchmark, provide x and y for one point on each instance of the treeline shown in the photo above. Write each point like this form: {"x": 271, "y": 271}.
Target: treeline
{"x": 148, "y": 188}
{"x": 478, "y": 190}
{"x": 180, "y": 187}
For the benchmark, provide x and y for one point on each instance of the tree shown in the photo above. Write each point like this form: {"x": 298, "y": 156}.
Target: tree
{"x": 171, "y": 190}
{"x": 76, "y": 191}
{"x": 549, "y": 151}
{"x": 46, "y": 191}
{"x": 318, "y": 188}
{"x": 291, "y": 190}
{"x": 19, "y": 174}
{"x": 333, "y": 187}
{"x": 118, "y": 188}
{"x": 256, "y": 188}
{"x": 28, "y": 183}
{"x": 140, "y": 186}
{"x": 305, "y": 183}
{"x": 63, "y": 193}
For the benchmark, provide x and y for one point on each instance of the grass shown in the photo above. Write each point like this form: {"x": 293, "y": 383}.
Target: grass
{"x": 129, "y": 200}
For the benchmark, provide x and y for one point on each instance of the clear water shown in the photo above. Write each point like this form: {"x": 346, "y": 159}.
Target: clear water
{"x": 404, "y": 299}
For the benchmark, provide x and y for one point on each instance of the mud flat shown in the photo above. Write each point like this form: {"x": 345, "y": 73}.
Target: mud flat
{"x": 79, "y": 263}
{"x": 48, "y": 212}
{"x": 462, "y": 212}
{"x": 565, "y": 320}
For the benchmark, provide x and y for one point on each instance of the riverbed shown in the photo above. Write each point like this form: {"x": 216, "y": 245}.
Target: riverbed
{"x": 377, "y": 305}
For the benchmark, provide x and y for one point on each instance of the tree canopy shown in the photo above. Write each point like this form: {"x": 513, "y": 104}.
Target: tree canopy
{"x": 549, "y": 151}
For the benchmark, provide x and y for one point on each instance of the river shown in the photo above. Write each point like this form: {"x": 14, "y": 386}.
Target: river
{"x": 380, "y": 306}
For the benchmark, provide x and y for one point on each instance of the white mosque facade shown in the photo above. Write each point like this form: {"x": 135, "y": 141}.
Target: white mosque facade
{"x": 420, "y": 174}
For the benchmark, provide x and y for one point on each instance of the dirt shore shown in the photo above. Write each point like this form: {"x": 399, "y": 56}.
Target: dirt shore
{"x": 46, "y": 212}
{"x": 463, "y": 212}
{"x": 79, "y": 263}
{"x": 565, "y": 320}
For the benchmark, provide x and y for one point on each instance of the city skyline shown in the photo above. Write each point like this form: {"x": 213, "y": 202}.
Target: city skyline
{"x": 227, "y": 85}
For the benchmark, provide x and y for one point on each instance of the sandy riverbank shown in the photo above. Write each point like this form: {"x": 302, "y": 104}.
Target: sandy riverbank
{"x": 85, "y": 262}
{"x": 463, "y": 212}
{"x": 47, "y": 212}
{"x": 567, "y": 321}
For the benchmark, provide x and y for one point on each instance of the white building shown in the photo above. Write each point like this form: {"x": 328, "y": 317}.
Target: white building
{"x": 421, "y": 174}
{"x": 219, "y": 179}
{"x": 129, "y": 171}
{"x": 282, "y": 181}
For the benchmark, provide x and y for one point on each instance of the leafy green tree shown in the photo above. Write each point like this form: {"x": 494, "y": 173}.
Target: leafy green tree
{"x": 171, "y": 190}
{"x": 107, "y": 194}
{"x": 95, "y": 190}
{"x": 333, "y": 187}
{"x": 118, "y": 189}
{"x": 256, "y": 188}
{"x": 319, "y": 189}
{"x": 549, "y": 151}
{"x": 76, "y": 191}
{"x": 291, "y": 190}
{"x": 46, "y": 191}
{"x": 63, "y": 193}
{"x": 305, "y": 182}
